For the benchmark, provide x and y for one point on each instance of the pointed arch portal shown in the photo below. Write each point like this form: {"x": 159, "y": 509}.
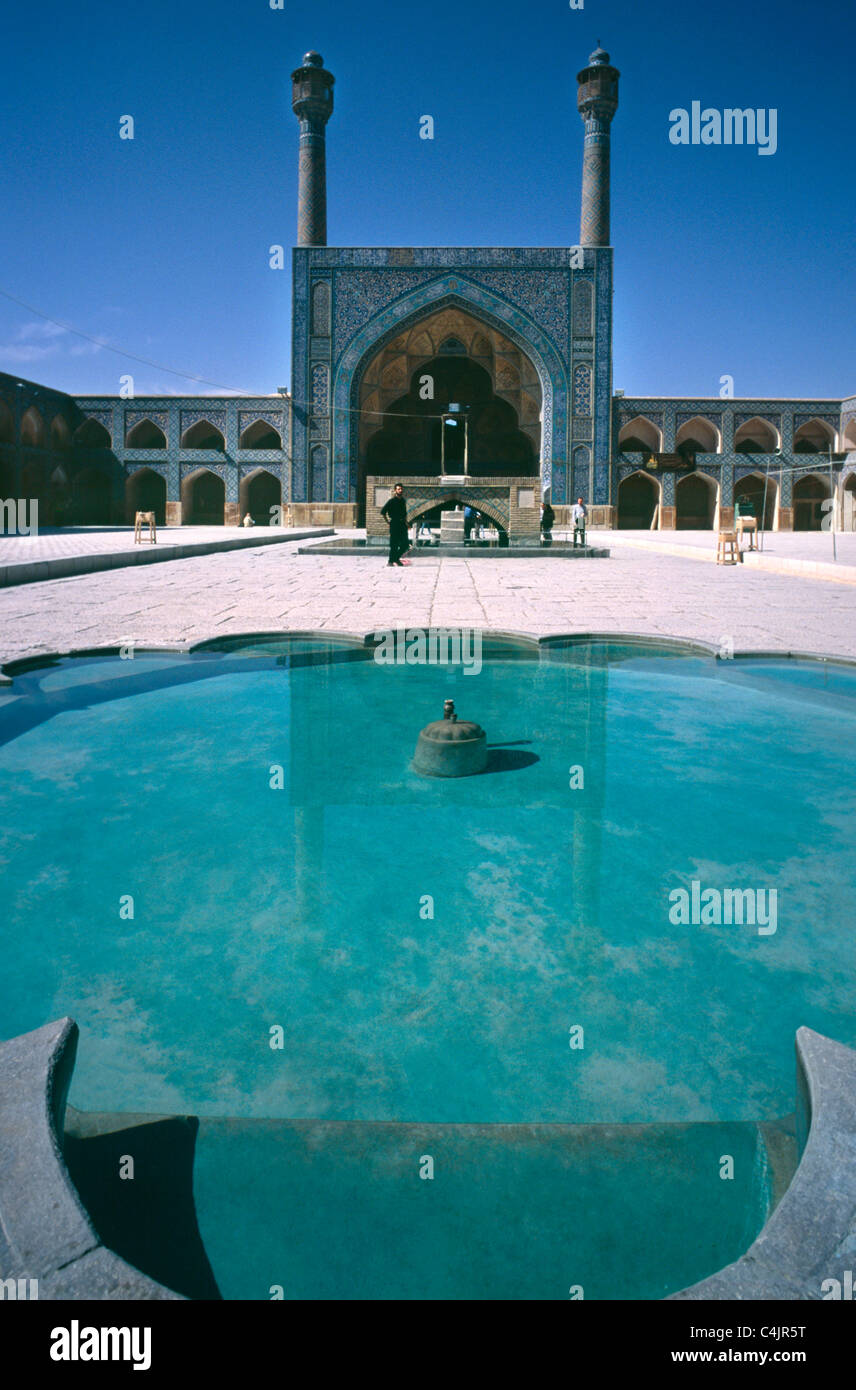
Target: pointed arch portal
{"x": 145, "y": 491}
{"x": 406, "y": 433}
{"x": 638, "y": 500}
{"x": 378, "y": 370}
{"x": 203, "y": 498}
{"x": 452, "y": 498}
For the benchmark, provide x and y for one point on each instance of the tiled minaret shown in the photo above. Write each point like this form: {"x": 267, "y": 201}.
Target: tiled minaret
{"x": 312, "y": 103}
{"x": 597, "y": 102}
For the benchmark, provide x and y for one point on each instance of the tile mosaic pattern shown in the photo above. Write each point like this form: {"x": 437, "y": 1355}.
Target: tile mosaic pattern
{"x": 525, "y": 293}
{"x": 583, "y": 308}
{"x": 118, "y": 414}
{"x": 582, "y": 389}
{"x": 312, "y": 184}
{"x": 321, "y": 301}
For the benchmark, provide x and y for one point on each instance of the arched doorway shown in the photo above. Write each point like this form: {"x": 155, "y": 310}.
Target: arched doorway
{"x": 848, "y": 503}
{"x": 809, "y": 495}
{"x": 60, "y": 433}
{"x": 32, "y": 428}
{"x": 432, "y": 513}
{"x": 260, "y": 435}
{"x": 203, "y": 435}
{"x": 449, "y": 357}
{"x": 638, "y": 499}
{"x": 259, "y": 493}
{"x": 93, "y": 435}
{"x": 814, "y": 437}
{"x": 756, "y": 436}
{"x": 751, "y": 490}
{"x": 145, "y": 434}
{"x": 203, "y": 499}
{"x": 695, "y": 503}
{"x": 410, "y": 440}
{"x": 640, "y": 436}
{"x": 145, "y": 491}
{"x": 697, "y": 436}
{"x": 91, "y": 498}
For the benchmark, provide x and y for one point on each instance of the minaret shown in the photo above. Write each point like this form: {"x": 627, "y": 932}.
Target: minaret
{"x": 597, "y": 102}
{"x": 312, "y": 103}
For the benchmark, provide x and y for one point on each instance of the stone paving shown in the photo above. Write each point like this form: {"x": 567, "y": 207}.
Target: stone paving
{"x": 809, "y": 554}
{"x": 87, "y": 550}
{"x": 791, "y": 545}
{"x": 61, "y": 543}
{"x": 275, "y": 589}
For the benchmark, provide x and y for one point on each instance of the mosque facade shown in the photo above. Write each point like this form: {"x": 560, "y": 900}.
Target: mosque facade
{"x": 489, "y": 362}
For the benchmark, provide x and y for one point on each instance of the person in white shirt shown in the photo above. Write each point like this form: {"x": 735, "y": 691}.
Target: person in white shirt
{"x": 578, "y": 517}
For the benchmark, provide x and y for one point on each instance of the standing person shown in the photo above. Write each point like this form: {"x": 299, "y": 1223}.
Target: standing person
{"x": 394, "y": 513}
{"x": 548, "y": 520}
{"x": 469, "y": 518}
{"x": 578, "y": 516}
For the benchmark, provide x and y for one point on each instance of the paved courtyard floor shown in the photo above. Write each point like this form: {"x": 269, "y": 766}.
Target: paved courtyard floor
{"x": 60, "y": 543}
{"x": 791, "y": 545}
{"x": 72, "y": 551}
{"x": 54, "y": 543}
{"x": 636, "y": 590}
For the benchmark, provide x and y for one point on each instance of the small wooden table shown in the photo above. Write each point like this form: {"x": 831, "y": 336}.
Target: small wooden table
{"x": 748, "y": 524}
{"x": 727, "y": 549}
{"x": 145, "y": 519}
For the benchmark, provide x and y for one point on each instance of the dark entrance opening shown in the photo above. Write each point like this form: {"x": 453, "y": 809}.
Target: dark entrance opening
{"x": 481, "y": 532}
{"x": 91, "y": 497}
{"x": 848, "y": 504}
{"x": 809, "y": 496}
{"x": 146, "y": 492}
{"x": 638, "y": 497}
{"x": 695, "y": 502}
{"x": 751, "y": 490}
{"x": 203, "y": 499}
{"x": 260, "y": 493}
{"x": 410, "y": 442}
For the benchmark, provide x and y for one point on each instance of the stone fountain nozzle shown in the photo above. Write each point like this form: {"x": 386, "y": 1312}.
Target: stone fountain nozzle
{"x": 451, "y": 747}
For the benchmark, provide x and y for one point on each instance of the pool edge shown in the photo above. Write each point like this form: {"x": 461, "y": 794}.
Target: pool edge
{"x": 48, "y": 1244}
{"x": 808, "y": 1245}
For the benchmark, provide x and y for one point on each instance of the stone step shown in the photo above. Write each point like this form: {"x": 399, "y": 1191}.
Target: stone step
{"x": 339, "y": 1210}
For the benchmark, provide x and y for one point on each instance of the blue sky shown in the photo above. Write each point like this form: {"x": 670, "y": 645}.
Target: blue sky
{"x": 727, "y": 261}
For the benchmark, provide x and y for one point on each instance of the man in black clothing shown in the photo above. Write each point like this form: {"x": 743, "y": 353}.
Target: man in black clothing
{"x": 395, "y": 513}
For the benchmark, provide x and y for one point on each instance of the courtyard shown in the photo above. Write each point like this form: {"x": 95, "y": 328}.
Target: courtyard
{"x": 642, "y": 588}
{"x": 287, "y": 918}
{"x": 478, "y": 928}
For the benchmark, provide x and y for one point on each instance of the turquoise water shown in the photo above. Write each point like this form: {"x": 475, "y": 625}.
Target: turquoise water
{"x": 340, "y": 1212}
{"x": 426, "y": 948}
{"x": 306, "y": 907}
